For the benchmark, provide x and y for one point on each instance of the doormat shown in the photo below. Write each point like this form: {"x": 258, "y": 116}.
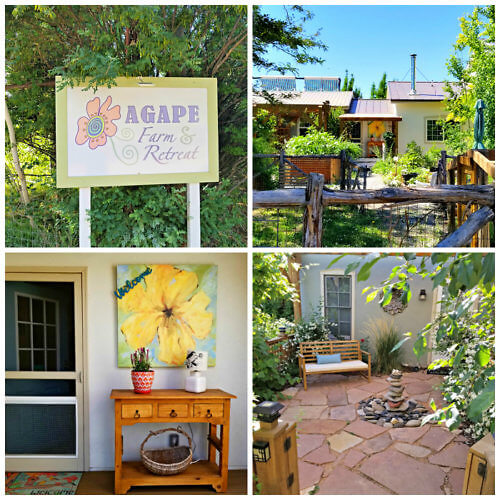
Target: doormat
{"x": 41, "y": 483}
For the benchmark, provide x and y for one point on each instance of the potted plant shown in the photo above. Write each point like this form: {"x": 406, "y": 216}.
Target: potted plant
{"x": 142, "y": 375}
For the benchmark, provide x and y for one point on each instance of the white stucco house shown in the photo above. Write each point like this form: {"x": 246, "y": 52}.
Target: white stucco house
{"x": 338, "y": 296}
{"x": 412, "y": 110}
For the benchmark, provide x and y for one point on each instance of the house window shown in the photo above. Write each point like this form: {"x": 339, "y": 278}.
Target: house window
{"x": 434, "y": 130}
{"x": 36, "y": 328}
{"x": 355, "y": 132}
{"x": 304, "y": 127}
{"x": 337, "y": 294}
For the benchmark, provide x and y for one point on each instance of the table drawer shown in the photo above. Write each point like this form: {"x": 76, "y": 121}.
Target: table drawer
{"x": 173, "y": 410}
{"x": 137, "y": 411}
{"x": 208, "y": 410}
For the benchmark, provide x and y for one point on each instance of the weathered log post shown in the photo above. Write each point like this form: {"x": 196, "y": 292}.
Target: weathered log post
{"x": 441, "y": 171}
{"x": 342, "y": 169}
{"x": 313, "y": 213}
{"x": 281, "y": 169}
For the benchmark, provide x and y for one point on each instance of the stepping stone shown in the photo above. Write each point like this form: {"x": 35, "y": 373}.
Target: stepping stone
{"x": 412, "y": 450}
{"x": 309, "y": 474}
{"x": 308, "y": 442}
{"x": 343, "y": 441}
{"x": 402, "y": 474}
{"x": 373, "y": 387}
{"x": 343, "y": 413}
{"x": 408, "y": 434}
{"x": 356, "y": 395}
{"x": 422, "y": 398}
{"x": 323, "y": 426}
{"x": 456, "y": 481}
{"x": 352, "y": 458}
{"x": 452, "y": 456}
{"x": 290, "y": 391}
{"x": 437, "y": 438}
{"x": 321, "y": 455}
{"x": 418, "y": 387}
{"x": 377, "y": 444}
{"x": 315, "y": 398}
{"x": 297, "y": 413}
{"x": 342, "y": 481}
{"x": 336, "y": 396}
{"x": 364, "y": 429}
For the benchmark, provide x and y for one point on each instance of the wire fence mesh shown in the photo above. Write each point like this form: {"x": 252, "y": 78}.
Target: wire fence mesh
{"x": 415, "y": 225}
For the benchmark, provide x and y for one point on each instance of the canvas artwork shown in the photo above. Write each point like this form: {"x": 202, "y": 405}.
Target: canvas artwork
{"x": 167, "y": 309}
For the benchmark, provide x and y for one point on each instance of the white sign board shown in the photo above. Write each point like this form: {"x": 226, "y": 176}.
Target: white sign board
{"x": 143, "y": 131}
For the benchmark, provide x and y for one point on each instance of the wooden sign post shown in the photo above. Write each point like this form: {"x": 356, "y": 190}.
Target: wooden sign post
{"x": 142, "y": 131}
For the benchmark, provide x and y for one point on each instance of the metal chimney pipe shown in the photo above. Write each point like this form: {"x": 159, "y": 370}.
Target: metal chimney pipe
{"x": 413, "y": 68}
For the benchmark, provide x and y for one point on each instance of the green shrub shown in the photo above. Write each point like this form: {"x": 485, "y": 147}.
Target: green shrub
{"x": 265, "y": 141}
{"x": 385, "y": 337}
{"x": 321, "y": 143}
{"x": 316, "y": 328}
{"x": 269, "y": 375}
{"x": 414, "y": 160}
{"x": 469, "y": 351}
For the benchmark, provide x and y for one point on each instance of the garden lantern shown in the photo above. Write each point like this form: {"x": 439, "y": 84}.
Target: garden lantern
{"x": 275, "y": 451}
{"x": 261, "y": 451}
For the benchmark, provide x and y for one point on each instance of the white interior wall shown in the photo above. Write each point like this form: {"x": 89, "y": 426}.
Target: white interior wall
{"x": 229, "y": 374}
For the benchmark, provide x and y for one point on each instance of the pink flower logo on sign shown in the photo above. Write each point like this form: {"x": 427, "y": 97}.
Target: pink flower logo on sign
{"x": 99, "y": 124}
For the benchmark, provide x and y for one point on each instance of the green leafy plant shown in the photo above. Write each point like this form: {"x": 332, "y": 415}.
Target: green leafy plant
{"x": 316, "y": 142}
{"x": 317, "y": 327}
{"x": 385, "y": 337}
{"x": 140, "y": 360}
{"x": 413, "y": 161}
{"x": 128, "y": 40}
{"x": 265, "y": 141}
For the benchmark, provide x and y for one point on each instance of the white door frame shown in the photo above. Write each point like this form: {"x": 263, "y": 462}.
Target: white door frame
{"x": 80, "y": 461}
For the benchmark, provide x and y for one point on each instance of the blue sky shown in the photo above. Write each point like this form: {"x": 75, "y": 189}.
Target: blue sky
{"x": 368, "y": 40}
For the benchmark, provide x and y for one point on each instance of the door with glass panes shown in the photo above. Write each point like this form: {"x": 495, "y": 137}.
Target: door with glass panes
{"x": 337, "y": 304}
{"x": 43, "y": 371}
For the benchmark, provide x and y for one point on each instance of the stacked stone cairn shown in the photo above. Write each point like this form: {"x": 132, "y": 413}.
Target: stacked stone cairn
{"x": 392, "y": 410}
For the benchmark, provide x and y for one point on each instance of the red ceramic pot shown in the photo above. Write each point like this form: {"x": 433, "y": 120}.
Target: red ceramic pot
{"x": 142, "y": 381}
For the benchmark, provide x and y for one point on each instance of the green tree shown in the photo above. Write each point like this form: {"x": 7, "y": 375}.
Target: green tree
{"x": 349, "y": 85}
{"x": 102, "y": 42}
{"x": 287, "y": 35}
{"x": 472, "y": 71}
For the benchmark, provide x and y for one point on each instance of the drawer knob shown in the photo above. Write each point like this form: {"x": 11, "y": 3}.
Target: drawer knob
{"x": 209, "y": 414}
{"x": 137, "y": 414}
{"x": 173, "y": 413}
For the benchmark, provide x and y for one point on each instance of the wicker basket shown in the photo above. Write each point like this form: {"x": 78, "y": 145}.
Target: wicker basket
{"x": 169, "y": 461}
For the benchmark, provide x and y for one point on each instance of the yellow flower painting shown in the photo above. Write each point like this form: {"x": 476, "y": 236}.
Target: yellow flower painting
{"x": 167, "y": 309}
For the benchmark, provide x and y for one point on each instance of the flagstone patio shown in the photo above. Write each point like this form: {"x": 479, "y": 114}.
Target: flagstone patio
{"x": 340, "y": 454}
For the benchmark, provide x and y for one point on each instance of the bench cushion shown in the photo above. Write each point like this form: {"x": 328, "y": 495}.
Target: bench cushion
{"x": 353, "y": 365}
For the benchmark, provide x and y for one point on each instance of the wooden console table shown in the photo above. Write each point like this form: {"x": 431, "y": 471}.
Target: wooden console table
{"x": 174, "y": 406}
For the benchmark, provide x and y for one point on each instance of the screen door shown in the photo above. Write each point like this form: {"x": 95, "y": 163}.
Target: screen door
{"x": 43, "y": 372}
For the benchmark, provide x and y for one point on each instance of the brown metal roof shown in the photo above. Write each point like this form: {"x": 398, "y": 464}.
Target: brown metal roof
{"x": 426, "y": 91}
{"x": 310, "y": 98}
{"x": 364, "y": 109}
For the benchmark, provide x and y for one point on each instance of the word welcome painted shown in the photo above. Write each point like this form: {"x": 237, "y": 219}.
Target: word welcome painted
{"x": 129, "y": 284}
{"x": 132, "y": 134}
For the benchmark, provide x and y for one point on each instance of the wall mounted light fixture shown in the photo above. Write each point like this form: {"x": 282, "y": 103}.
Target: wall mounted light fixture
{"x": 422, "y": 295}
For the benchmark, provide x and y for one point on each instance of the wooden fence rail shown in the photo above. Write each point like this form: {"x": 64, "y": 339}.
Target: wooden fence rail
{"x": 475, "y": 167}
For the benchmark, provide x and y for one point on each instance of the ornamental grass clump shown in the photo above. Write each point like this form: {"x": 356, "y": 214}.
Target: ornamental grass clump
{"x": 140, "y": 360}
{"x": 385, "y": 337}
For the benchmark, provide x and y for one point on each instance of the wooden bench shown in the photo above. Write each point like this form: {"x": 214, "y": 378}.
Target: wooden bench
{"x": 350, "y": 354}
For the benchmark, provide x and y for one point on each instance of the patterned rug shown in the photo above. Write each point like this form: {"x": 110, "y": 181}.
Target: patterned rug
{"x": 41, "y": 483}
